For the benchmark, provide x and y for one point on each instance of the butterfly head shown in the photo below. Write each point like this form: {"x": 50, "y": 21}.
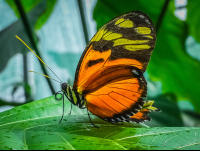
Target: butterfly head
{"x": 64, "y": 87}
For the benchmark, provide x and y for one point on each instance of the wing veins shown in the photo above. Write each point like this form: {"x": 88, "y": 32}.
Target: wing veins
{"x": 107, "y": 104}
{"x": 117, "y": 101}
{"x": 123, "y": 89}
{"x": 121, "y": 83}
{"x": 123, "y": 95}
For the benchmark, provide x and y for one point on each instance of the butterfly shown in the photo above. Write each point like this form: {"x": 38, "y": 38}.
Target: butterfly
{"x": 109, "y": 79}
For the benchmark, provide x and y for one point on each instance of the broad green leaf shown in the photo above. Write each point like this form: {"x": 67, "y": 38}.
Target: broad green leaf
{"x": 10, "y": 46}
{"x": 169, "y": 63}
{"x": 36, "y": 126}
{"x": 45, "y": 111}
{"x": 192, "y": 20}
{"x": 30, "y": 4}
{"x": 27, "y": 5}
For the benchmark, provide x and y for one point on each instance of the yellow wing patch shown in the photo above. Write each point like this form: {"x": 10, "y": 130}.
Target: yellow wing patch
{"x": 124, "y": 41}
{"x": 144, "y": 30}
{"x": 126, "y": 24}
{"x": 119, "y": 21}
{"x": 137, "y": 47}
{"x": 111, "y": 36}
{"x": 99, "y": 35}
{"x": 150, "y": 37}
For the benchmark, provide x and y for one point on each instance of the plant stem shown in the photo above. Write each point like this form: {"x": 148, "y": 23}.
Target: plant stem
{"x": 161, "y": 16}
{"x": 2, "y": 103}
{"x": 32, "y": 38}
{"x": 25, "y": 75}
{"x": 84, "y": 25}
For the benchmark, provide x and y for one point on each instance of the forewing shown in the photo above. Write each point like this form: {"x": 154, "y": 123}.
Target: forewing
{"x": 126, "y": 41}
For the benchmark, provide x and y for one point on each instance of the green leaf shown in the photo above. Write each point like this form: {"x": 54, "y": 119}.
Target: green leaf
{"x": 30, "y": 4}
{"x": 27, "y": 5}
{"x": 193, "y": 19}
{"x": 45, "y": 111}
{"x": 36, "y": 126}
{"x": 169, "y": 63}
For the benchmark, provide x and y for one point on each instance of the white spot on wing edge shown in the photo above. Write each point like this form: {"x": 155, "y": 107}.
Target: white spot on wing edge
{"x": 141, "y": 16}
{"x": 147, "y": 21}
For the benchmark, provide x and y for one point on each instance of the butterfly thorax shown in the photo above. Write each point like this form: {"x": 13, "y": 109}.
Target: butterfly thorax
{"x": 74, "y": 97}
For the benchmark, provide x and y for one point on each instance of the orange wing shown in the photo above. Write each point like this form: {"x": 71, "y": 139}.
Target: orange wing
{"x": 117, "y": 101}
{"x": 140, "y": 116}
{"x": 110, "y": 72}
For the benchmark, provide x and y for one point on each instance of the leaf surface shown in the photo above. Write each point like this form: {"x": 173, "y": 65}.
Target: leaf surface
{"x": 36, "y": 126}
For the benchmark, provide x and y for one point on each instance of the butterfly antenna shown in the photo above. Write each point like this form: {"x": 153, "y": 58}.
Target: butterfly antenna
{"x": 37, "y": 56}
{"x": 46, "y": 76}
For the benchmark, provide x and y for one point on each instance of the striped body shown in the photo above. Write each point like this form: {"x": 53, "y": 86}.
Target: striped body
{"x": 74, "y": 97}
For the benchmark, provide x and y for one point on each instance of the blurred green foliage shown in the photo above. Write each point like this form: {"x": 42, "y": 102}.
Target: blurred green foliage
{"x": 192, "y": 20}
{"x": 29, "y": 5}
{"x": 40, "y": 12}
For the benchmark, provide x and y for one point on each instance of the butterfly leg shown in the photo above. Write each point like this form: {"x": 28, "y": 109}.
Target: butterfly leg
{"x": 90, "y": 118}
{"x": 62, "y": 97}
{"x": 59, "y": 92}
{"x": 70, "y": 109}
{"x": 63, "y": 109}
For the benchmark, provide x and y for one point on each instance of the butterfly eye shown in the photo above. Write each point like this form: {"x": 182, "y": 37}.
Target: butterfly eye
{"x": 64, "y": 86}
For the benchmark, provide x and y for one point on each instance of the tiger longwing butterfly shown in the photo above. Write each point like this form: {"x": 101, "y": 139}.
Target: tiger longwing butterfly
{"x": 109, "y": 79}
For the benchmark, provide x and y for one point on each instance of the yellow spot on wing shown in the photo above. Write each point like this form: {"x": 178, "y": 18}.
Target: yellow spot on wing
{"x": 124, "y": 41}
{"x": 143, "y": 30}
{"x": 136, "y": 47}
{"x": 126, "y": 24}
{"x": 119, "y": 21}
{"x": 111, "y": 36}
{"x": 149, "y": 37}
{"x": 98, "y": 35}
